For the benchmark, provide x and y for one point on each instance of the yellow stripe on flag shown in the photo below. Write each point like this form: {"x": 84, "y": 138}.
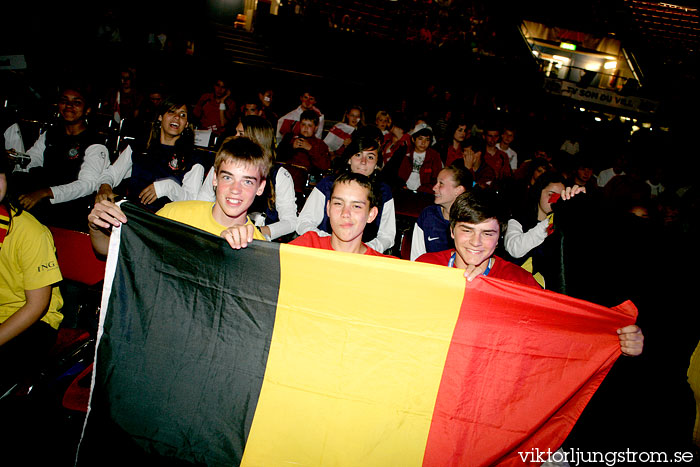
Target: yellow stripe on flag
{"x": 356, "y": 359}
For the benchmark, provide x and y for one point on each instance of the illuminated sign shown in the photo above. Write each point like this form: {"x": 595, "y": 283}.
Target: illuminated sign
{"x": 599, "y": 96}
{"x": 567, "y": 46}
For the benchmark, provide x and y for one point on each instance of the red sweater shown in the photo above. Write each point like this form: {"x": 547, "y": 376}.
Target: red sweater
{"x": 501, "y": 269}
{"x": 432, "y": 165}
{"x": 315, "y": 158}
{"x": 313, "y": 240}
{"x": 499, "y": 162}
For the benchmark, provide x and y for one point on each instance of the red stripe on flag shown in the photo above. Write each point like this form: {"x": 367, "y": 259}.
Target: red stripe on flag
{"x": 522, "y": 366}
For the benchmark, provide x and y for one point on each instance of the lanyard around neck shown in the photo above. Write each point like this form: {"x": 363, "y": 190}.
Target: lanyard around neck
{"x": 451, "y": 263}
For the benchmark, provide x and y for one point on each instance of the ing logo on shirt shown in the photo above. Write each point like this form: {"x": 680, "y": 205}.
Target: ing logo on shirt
{"x": 50, "y": 266}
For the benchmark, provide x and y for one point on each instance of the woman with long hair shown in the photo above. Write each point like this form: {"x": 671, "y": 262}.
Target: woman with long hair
{"x": 362, "y": 156}
{"x": 458, "y": 134}
{"x": 276, "y": 208}
{"x": 29, "y": 297}
{"x": 165, "y": 168}
{"x": 517, "y": 189}
{"x": 531, "y": 236}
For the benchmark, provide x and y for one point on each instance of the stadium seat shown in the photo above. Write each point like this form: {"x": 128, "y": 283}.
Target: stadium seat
{"x": 76, "y": 257}
{"x": 75, "y": 346}
{"x": 406, "y": 244}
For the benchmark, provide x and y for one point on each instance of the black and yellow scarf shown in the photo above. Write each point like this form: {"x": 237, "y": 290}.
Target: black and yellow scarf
{"x": 4, "y": 223}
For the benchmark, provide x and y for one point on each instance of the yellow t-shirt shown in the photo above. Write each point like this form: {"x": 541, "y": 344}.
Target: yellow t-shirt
{"x": 198, "y": 214}
{"x": 28, "y": 262}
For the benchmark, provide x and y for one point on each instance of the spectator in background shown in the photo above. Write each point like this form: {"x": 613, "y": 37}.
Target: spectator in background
{"x": 14, "y": 144}
{"x": 149, "y": 108}
{"x": 420, "y": 167}
{"x": 108, "y": 29}
{"x": 482, "y": 173}
{"x": 66, "y": 163}
{"x": 582, "y": 174}
{"x": 628, "y": 189}
{"x": 536, "y": 168}
{"x": 250, "y": 106}
{"x": 289, "y": 123}
{"x": 519, "y": 187}
{"x": 125, "y": 101}
{"x": 161, "y": 169}
{"x": 532, "y": 234}
{"x": 431, "y": 232}
{"x": 340, "y": 135}
{"x": 571, "y": 144}
{"x": 305, "y": 149}
{"x": 655, "y": 178}
{"x": 265, "y": 96}
{"x": 527, "y": 167}
{"x": 617, "y": 168}
{"x": 494, "y": 157}
{"x": 216, "y": 109}
{"x": 397, "y": 140}
{"x": 383, "y": 121}
{"x": 443, "y": 120}
{"x": 454, "y": 150}
{"x": 507, "y": 137}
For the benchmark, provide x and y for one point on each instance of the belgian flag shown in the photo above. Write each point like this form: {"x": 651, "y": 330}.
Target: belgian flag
{"x": 284, "y": 355}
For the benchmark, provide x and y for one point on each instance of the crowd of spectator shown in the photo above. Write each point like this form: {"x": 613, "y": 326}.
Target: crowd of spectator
{"x": 426, "y": 24}
{"x": 423, "y": 150}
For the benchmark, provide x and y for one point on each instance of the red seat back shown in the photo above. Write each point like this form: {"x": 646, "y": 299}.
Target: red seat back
{"x": 77, "y": 395}
{"x": 76, "y": 257}
{"x": 406, "y": 239}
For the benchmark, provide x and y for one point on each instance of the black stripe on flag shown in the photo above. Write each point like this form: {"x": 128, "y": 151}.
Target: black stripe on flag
{"x": 186, "y": 337}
